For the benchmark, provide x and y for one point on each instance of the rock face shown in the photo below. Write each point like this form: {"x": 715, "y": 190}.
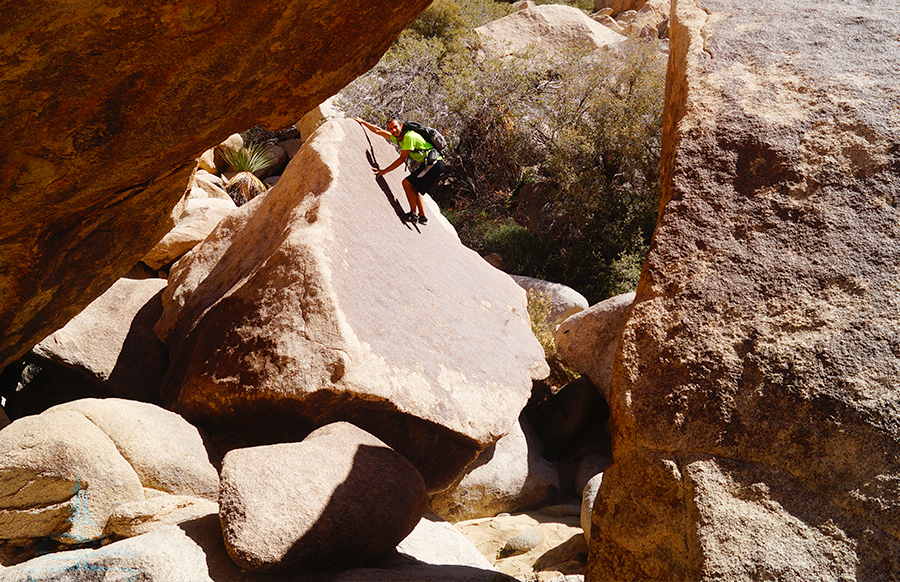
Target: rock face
{"x": 339, "y": 497}
{"x": 317, "y": 303}
{"x": 93, "y": 96}
{"x": 112, "y": 342}
{"x": 754, "y": 400}
{"x": 548, "y": 27}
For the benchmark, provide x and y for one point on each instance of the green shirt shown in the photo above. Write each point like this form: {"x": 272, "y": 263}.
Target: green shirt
{"x": 415, "y": 144}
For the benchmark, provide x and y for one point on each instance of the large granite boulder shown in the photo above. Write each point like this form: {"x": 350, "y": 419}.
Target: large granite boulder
{"x": 754, "y": 398}
{"x": 111, "y": 343}
{"x": 105, "y": 106}
{"x": 200, "y": 217}
{"x": 564, "y": 301}
{"x": 317, "y": 303}
{"x": 547, "y": 28}
{"x": 338, "y": 498}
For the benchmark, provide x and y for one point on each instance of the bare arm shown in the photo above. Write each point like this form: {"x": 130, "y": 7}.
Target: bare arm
{"x": 373, "y": 128}
{"x": 397, "y": 163}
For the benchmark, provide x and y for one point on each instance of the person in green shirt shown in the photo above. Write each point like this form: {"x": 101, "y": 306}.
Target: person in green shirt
{"x": 415, "y": 147}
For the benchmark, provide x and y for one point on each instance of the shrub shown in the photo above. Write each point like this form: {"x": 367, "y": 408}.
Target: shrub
{"x": 539, "y": 306}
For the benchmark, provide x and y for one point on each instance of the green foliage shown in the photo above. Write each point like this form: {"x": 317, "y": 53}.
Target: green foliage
{"x": 249, "y": 158}
{"x": 588, "y": 125}
{"x": 539, "y": 306}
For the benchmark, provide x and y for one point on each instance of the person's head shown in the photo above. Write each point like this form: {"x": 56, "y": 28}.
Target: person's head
{"x": 395, "y": 127}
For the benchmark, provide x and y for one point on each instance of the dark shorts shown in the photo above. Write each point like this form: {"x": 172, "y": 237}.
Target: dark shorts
{"x": 424, "y": 178}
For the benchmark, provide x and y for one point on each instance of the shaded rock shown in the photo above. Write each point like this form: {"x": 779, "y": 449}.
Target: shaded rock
{"x": 95, "y": 96}
{"x": 139, "y": 517}
{"x": 590, "y": 466}
{"x": 755, "y": 426}
{"x": 565, "y": 301}
{"x": 60, "y": 477}
{"x": 588, "y": 340}
{"x": 509, "y": 475}
{"x": 330, "y": 307}
{"x": 434, "y": 541}
{"x": 561, "y": 551}
{"x": 546, "y": 28}
{"x": 279, "y": 161}
{"x": 564, "y": 416}
{"x": 198, "y": 220}
{"x": 339, "y": 497}
{"x": 291, "y": 147}
{"x": 588, "y": 496}
{"x": 165, "y": 451}
{"x": 112, "y": 342}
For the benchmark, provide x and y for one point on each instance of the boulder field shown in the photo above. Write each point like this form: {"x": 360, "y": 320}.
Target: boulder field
{"x": 104, "y": 107}
{"x": 754, "y": 394}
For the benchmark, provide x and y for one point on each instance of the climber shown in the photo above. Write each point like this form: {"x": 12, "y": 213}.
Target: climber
{"x": 413, "y": 146}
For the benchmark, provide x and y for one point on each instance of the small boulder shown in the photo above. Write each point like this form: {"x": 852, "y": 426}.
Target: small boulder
{"x": 199, "y": 219}
{"x": 587, "y": 503}
{"x": 565, "y": 301}
{"x": 510, "y": 475}
{"x": 339, "y": 497}
{"x": 434, "y": 541}
{"x": 590, "y": 466}
{"x": 211, "y": 184}
{"x": 112, "y": 341}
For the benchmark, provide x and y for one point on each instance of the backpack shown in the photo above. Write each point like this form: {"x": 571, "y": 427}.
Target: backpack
{"x": 430, "y": 134}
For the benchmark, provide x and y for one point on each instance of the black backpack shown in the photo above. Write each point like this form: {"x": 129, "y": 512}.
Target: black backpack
{"x": 430, "y": 134}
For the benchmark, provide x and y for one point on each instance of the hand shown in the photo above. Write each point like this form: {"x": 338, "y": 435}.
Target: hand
{"x": 378, "y": 172}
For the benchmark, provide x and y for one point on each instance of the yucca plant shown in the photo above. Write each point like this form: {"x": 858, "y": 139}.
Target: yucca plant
{"x": 246, "y": 160}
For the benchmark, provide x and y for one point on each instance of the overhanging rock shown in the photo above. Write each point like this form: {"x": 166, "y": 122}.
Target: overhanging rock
{"x": 316, "y": 303}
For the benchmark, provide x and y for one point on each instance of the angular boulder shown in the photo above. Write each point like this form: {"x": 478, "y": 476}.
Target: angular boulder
{"x": 138, "y": 517}
{"x": 588, "y": 340}
{"x": 199, "y": 218}
{"x": 339, "y": 497}
{"x": 112, "y": 342}
{"x": 105, "y": 108}
{"x": 754, "y": 397}
{"x": 317, "y": 303}
{"x": 510, "y": 475}
{"x": 546, "y": 28}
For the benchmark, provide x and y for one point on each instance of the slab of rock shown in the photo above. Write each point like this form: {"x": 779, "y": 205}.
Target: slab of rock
{"x": 545, "y": 28}
{"x": 316, "y": 303}
{"x": 588, "y": 340}
{"x": 166, "y": 452}
{"x": 106, "y": 108}
{"x": 142, "y": 516}
{"x": 60, "y": 477}
{"x": 200, "y": 217}
{"x": 510, "y": 475}
{"x": 565, "y": 301}
{"x": 754, "y": 402}
{"x": 435, "y": 541}
{"x": 339, "y": 497}
{"x": 618, "y": 6}
{"x": 112, "y": 342}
